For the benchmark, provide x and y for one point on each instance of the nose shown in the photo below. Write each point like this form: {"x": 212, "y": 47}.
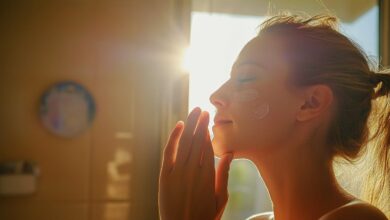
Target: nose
{"x": 217, "y": 99}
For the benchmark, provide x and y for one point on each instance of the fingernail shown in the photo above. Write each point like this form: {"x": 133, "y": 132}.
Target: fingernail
{"x": 179, "y": 123}
{"x": 197, "y": 109}
{"x": 194, "y": 111}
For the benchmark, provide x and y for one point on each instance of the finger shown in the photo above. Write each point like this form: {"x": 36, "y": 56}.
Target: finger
{"x": 185, "y": 141}
{"x": 171, "y": 147}
{"x": 199, "y": 140}
{"x": 207, "y": 160}
{"x": 222, "y": 176}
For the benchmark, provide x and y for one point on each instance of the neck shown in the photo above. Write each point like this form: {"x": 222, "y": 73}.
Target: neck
{"x": 300, "y": 181}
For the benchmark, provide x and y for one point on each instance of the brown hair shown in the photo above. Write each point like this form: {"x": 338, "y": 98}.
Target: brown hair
{"x": 320, "y": 54}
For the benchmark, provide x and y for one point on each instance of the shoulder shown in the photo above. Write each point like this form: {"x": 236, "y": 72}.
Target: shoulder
{"x": 361, "y": 210}
{"x": 261, "y": 216}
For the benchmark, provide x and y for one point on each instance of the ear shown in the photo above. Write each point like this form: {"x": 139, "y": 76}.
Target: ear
{"x": 316, "y": 100}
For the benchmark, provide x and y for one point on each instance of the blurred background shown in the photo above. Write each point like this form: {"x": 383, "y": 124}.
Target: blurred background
{"x": 90, "y": 90}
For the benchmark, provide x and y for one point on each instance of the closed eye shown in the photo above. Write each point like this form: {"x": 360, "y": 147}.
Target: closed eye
{"x": 245, "y": 80}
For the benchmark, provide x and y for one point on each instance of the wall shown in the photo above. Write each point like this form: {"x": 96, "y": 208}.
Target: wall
{"x": 126, "y": 54}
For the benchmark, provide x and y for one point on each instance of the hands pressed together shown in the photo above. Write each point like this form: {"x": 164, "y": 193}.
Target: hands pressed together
{"x": 190, "y": 188}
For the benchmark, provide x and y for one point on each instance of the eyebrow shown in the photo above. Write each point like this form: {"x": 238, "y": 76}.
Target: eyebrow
{"x": 247, "y": 62}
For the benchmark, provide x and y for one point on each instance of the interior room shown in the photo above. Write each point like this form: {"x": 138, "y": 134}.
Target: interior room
{"x": 91, "y": 90}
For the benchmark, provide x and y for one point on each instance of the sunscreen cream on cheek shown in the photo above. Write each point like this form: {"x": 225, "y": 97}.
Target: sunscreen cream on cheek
{"x": 259, "y": 111}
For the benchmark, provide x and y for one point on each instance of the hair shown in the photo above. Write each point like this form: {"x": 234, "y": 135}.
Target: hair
{"x": 320, "y": 54}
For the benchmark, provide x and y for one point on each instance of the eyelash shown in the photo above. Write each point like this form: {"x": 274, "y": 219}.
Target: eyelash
{"x": 245, "y": 80}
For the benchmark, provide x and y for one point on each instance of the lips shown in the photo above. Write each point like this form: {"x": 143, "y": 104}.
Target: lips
{"x": 218, "y": 120}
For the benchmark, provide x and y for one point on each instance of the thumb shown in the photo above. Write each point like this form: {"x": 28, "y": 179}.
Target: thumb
{"x": 221, "y": 183}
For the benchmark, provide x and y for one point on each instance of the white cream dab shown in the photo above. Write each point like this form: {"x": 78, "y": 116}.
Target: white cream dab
{"x": 261, "y": 111}
{"x": 246, "y": 95}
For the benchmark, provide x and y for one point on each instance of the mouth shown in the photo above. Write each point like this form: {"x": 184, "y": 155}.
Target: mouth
{"x": 221, "y": 121}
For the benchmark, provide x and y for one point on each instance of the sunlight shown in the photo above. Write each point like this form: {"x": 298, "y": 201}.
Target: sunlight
{"x": 196, "y": 61}
{"x": 216, "y": 40}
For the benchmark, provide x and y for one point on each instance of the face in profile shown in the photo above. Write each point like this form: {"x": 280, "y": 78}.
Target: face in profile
{"x": 256, "y": 106}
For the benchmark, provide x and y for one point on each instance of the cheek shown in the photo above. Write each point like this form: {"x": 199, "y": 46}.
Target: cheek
{"x": 246, "y": 106}
{"x": 250, "y": 112}
{"x": 250, "y": 106}
{"x": 262, "y": 122}
{"x": 259, "y": 122}
{"x": 251, "y": 103}
{"x": 252, "y": 122}
{"x": 245, "y": 96}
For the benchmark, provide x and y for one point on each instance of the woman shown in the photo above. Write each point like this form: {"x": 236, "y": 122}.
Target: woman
{"x": 300, "y": 95}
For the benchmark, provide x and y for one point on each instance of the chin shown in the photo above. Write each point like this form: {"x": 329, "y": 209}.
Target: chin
{"x": 223, "y": 145}
{"x": 220, "y": 148}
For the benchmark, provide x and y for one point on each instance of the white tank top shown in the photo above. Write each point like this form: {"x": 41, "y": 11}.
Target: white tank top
{"x": 334, "y": 210}
{"x": 270, "y": 216}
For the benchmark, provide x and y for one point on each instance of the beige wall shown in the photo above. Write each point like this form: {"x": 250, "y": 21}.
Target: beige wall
{"x": 125, "y": 53}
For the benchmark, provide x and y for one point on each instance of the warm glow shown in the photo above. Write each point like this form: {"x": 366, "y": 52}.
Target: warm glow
{"x": 187, "y": 64}
{"x": 216, "y": 41}
{"x": 201, "y": 59}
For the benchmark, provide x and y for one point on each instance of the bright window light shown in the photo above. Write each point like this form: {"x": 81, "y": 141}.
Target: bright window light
{"x": 216, "y": 40}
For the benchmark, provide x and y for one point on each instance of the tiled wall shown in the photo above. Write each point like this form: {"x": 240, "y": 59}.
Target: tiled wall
{"x": 125, "y": 54}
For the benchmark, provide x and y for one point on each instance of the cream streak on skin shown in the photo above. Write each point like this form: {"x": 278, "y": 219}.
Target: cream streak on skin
{"x": 248, "y": 95}
{"x": 261, "y": 111}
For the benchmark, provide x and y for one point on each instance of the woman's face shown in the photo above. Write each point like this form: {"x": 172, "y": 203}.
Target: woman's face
{"x": 256, "y": 106}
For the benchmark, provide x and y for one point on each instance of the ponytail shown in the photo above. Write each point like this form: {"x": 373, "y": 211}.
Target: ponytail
{"x": 382, "y": 78}
{"x": 376, "y": 188}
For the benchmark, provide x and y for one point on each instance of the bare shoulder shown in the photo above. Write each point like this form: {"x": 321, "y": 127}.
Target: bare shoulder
{"x": 357, "y": 211}
{"x": 261, "y": 216}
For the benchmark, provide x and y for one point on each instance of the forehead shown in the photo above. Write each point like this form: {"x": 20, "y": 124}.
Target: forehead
{"x": 267, "y": 51}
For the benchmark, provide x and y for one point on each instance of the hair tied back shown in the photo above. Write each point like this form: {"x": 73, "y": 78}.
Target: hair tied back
{"x": 374, "y": 79}
{"x": 384, "y": 80}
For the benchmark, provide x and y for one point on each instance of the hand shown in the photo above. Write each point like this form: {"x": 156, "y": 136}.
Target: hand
{"x": 189, "y": 186}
